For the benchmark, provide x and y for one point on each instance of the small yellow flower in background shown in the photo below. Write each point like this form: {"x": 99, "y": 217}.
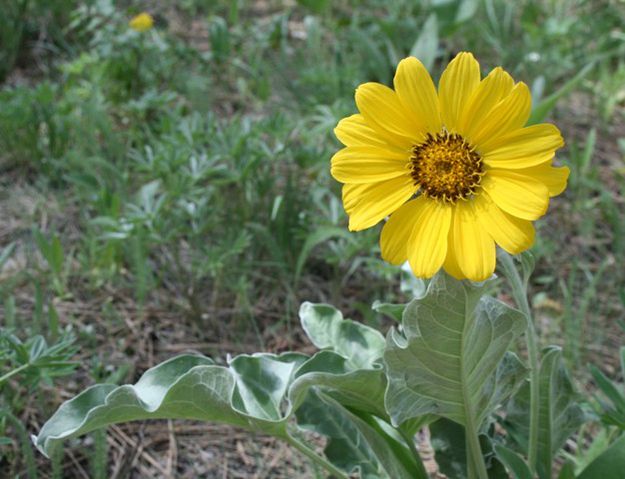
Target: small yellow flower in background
{"x": 456, "y": 170}
{"x": 141, "y": 22}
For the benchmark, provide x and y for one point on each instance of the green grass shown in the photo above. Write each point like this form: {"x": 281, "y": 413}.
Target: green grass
{"x": 184, "y": 172}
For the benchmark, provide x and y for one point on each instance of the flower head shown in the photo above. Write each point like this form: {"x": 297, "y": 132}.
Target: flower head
{"x": 457, "y": 170}
{"x": 141, "y": 22}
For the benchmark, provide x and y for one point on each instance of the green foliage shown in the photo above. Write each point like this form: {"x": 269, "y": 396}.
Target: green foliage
{"x": 30, "y": 364}
{"x": 24, "y": 20}
{"x": 52, "y": 251}
{"x": 544, "y": 108}
{"x": 612, "y": 413}
{"x": 338, "y": 392}
{"x": 560, "y": 416}
{"x": 34, "y": 360}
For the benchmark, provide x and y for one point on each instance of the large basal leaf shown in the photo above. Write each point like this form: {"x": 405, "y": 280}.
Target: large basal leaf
{"x": 451, "y": 359}
{"x": 257, "y": 392}
{"x": 559, "y": 417}
{"x": 185, "y": 387}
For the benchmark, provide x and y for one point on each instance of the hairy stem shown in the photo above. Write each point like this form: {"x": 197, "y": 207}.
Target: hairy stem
{"x": 519, "y": 291}
{"x": 532, "y": 351}
{"x": 476, "y": 469}
{"x": 475, "y": 459}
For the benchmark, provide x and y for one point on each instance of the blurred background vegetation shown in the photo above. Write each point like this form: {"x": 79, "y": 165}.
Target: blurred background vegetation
{"x": 169, "y": 190}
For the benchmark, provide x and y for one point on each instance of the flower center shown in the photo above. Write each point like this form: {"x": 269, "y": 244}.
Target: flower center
{"x": 446, "y": 167}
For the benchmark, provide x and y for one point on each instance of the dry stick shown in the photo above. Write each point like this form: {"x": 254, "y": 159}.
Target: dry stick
{"x": 140, "y": 452}
{"x": 79, "y": 468}
{"x": 172, "y": 456}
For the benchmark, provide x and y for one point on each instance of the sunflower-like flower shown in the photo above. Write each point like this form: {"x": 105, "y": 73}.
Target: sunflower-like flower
{"x": 457, "y": 171}
{"x": 142, "y": 22}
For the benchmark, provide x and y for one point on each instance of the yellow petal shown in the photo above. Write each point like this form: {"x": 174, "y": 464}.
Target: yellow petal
{"x": 427, "y": 246}
{"x": 554, "y": 178}
{"x": 383, "y": 112}
{"x": 354, "y": 131}
{"x": 474, "y": 248}
{"x": 513, "y": 234}
{"x": 490, "y": 91}
{"x": 368, "y": 204}
{"x": 508, "y": 115}
{"x": 457, "y": 84}
{"x": 519, "y": 195}
{"x": 142, "y": 22}
{"x": 368, "y": 164}
{"x": 451, "y": 265}
{"x": 398, "y": 229}
{"x": 416, "y": 91}
{"x": 524, "y": 148}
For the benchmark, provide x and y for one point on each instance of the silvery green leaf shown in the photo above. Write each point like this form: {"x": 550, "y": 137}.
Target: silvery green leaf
{"x": 450, "y": 359}
{"x": 256, "y": 393}
{"x": 185, "y": 387}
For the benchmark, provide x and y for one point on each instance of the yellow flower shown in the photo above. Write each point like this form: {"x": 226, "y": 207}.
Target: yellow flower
{"x": 456, "y": 170}
{"x": 141, "y": 22}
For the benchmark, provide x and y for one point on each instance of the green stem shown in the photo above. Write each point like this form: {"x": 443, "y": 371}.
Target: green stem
{"x": 308, "y": 452}
{"x": 476, "y": 469}
{"x": 475, "y": 460}
{"x": 10, "y": 374}
{"x": 411, "y": 445}
{"x": 532, "y": 351}
{"x": 519, "y": 291}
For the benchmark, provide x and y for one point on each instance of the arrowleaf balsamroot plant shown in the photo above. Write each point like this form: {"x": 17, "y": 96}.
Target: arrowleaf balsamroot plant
{"x": 458, "y": 172}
